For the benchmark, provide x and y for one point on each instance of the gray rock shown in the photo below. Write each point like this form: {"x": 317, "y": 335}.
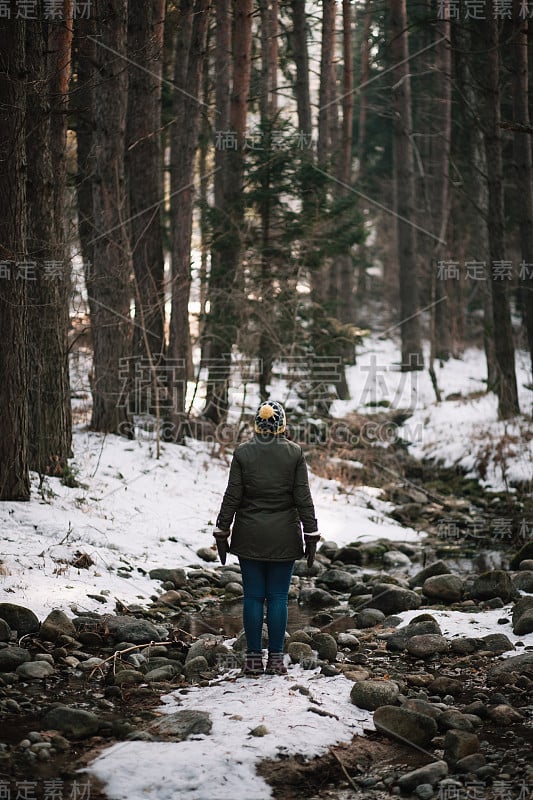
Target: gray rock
{"x": 426, "y": 645}
{"x": 395, "y": 558}
{"x": 316, "y": 598}
{"x": 523, "y": 580}
{"x": 35, "y": 670}
{"x": 20, "y": 619}
{"x": 458, "y": 744}
{"x": 301, "y": 636}
{"x": 11, "y": 657}
{"x": 128, "y": 677}
{"x": 447, "y": 588}
{"x": 393, "y": 599}
{"x": 525, "y": 553}
{"x": 5, "y": 631}
{"x": 175, "y": 576}
{"x": 470, "y": 763}
{"x": 207, "y": 554}
{"x": 422, "y": 707}
{"x": 73, "y": 722}
{"x": 161, "y": 674}
{"x": 431, "y": 773}
{"x": 348, "y": 555}
{"x": 171, "y": 598}
{"x": 180, "y": 725}
{"x": 526, "y": 564}
{"x": 454, "y": 719}
{"x": 204, "y": 647}
{"x": 349, "y": 641}
{"x": 523, "y": 616}
{"x": 368, "y": 618}
{"x": 338, "y": 579}
{"x": 497, "y": 643}
{"x": 406, "y": 726}
{"x": 496, "y": 583}
{"x": 55, "y": 625}
{"x": 522, "y": 664}
{"x": 443, "y": 685}
{"x": 325, "y": 645}
{"x": 424, "y": 791}
{"x": 136, "y": 631}
{"x": 240, "y": 643}
{"x": 436, "y": 568}
{"x": 464, "y": 645}
{"x": 301, "y": 653}
{"x": 227, "y": 576}
{"x": 196, "y": 666}
{"x": 504, "y": 714}
{"x": 373, "y": 694}
{"x": 398, "y": 640}
{"x": 236, "y": 588}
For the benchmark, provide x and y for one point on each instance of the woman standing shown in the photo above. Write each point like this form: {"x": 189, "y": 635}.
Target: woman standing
{"x": 268, "y": 495}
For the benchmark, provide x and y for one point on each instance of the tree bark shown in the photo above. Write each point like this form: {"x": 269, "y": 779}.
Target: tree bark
{"x": 223, "y": 318}
{"x": 506, "y": 387}
{"x": 108, "y": 287}
{"x": 190, "y": 56}
{"x": 14, "y": 475}
{"x": 523, "y": 164}
{"x": 404, "y": 179}
{"x": 50, "y": 424}
{"x": 144, "y": 175}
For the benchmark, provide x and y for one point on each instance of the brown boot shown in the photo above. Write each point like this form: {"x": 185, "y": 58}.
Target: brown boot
{"x": 253, "y": 664}
{"x": 275, "y": 664}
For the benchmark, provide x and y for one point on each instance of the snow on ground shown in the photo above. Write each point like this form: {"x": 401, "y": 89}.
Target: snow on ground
{"x": 223, "y": 763}
{"x": 133, "y": 512}
{"x": 464, "y": 431}
{"x": 137, "y": 513}
{"x": 476, "y": 624}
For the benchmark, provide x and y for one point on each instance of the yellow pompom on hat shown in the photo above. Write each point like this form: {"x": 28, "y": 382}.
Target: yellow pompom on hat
{"x": 270, "y": 418}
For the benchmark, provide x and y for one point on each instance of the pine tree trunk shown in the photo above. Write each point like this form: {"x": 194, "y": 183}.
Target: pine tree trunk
{"x": 441, "y": 195}
{"x": 144, "y": 175}
{"x": 523, "y": 164}
{"x": 223, "y": 318}
{"x": 190, "y": 56}
{"x": 412, "y": 355}
{"x": 362, "y": 278}
{"x": 463, "y": 43}
{"x": 14, "y": 476}
{"x": 506, "y": 387}
{"x": 50, "y": 426}
{"x": 108, "y": 287}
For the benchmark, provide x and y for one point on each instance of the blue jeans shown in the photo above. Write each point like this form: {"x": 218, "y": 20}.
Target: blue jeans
{"x": 265, "y": 580}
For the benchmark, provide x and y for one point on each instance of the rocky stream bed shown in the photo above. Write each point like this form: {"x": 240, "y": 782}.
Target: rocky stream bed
{"x": 453, "y": 719}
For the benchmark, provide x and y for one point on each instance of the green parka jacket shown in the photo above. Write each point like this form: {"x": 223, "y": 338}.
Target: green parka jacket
{"x": 268, "y": 494}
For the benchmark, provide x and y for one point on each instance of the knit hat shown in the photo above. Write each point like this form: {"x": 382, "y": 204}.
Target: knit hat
{"x": 270, "y": 418}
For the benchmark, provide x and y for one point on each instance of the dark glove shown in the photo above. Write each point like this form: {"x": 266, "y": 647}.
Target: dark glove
{"x": 311, "y": 541}
{"x": 221, "y": 539}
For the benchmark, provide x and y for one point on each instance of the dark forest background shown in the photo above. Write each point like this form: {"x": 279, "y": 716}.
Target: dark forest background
{"x": 262, "y": 180}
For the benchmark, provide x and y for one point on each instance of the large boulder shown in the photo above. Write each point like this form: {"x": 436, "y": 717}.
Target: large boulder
{"x": 427, "y": 645}
{"x": 525, "y": 552}
{"x": 523, "y": 616}
{"x": 523, "y": 580}
{"x": 436, "y": 568}
{"x": 178, "y": 726}
{"x": 338, "y": 579}
{"x": 12, "y": 657}
{"x": 74, "y": 722}
{"x": 495, "y": 583}
{"x": 55, "y": 625}
{"x": 520, "y": 665}
{"x": 446, "y": 588}
{"x": 408, "y": 727}
{"x": 373, "y": 694}
{"x": 393, "y": 599}
{"x": 20, "y": 619}
{"x": 134, "y": 630}
{"x": 431, "y": 773}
